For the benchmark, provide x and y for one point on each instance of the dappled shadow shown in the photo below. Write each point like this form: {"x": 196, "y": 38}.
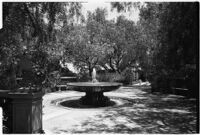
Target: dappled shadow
{"x": 144, "y": 113}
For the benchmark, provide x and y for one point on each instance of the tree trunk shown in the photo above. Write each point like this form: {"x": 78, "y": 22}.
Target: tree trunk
{"x": 90, "y": 70}
{"x": 110, "y": 63}
{"x": 13, "y": 81}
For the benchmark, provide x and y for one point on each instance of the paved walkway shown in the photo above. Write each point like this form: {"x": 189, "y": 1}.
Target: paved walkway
{"x": 143, "y": 113}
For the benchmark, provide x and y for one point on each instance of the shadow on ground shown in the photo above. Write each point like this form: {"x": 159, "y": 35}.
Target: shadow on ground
{"x": 145, "y": 113}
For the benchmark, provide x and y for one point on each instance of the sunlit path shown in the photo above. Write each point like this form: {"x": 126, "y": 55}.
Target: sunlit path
{"x": 142, "y": 113}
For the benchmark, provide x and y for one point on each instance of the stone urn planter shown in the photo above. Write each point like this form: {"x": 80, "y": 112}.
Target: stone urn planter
{"x": 24, "y": 111}
{"x": 26, "y": 107}
{"x": 23, "y": 105}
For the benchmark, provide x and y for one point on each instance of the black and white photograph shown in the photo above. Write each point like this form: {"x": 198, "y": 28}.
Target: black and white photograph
{"x": 99, "y": 67}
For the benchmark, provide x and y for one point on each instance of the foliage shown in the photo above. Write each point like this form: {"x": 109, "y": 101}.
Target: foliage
{"x": 84, "y": 53}
{"x": 99, "y": 42}
{"x": 176, "y": 38}
{"x": 85, "y": 45}
{"x": 128, "y": 76}
{"x": 110, "y": 77}
{"x": 125, "y": 77}
{"x": 52, "y": 80}
{"x": 124, "y": 6}
{"x": 30, "y": 28}
{"x": 84, "y": 77}
{"x": 66, "y": 72}
{"x": 170, "y": 31}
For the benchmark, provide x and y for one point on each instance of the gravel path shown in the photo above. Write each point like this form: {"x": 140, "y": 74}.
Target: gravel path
{"x": 141, "y": 113}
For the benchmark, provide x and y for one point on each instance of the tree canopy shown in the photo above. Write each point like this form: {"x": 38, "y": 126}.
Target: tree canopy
{"x": 105, "y": 43}
{"x": 28, "y": 31}
{"x": 170, "y": 31}
{"x": 163, "y": 41}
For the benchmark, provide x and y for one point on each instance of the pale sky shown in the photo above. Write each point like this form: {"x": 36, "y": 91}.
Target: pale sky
{"x": 92, "y": 5}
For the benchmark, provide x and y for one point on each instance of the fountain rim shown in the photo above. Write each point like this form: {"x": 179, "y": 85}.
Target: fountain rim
{"x": 96, "y": 84}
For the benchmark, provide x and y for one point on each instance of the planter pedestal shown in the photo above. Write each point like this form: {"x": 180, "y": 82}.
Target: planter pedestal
{"x": 25, "y": 112}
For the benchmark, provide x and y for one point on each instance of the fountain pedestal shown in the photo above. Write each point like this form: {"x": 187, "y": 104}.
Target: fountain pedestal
{"x": 94, "y": 92}
{"x": 95, "y": 99}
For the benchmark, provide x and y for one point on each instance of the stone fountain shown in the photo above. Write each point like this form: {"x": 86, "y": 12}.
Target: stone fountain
{"x": 94, "y": 90}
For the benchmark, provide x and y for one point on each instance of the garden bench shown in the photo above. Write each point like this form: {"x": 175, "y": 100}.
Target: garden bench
{"x": 68, "y": 79}
{"x": 64, "y": 81}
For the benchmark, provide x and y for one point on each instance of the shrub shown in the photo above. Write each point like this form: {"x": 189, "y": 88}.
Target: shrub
{"x": 6, "y": 82}
{"x": 84, "y": 77}
{"x": 109, "y": 77}
{"x": 160, "y": 81}
{"x": 128, "y": 76}
{"x": 52, "y": 80}
{"x": 67, "y": 72}
{"x": 125, "y": 77}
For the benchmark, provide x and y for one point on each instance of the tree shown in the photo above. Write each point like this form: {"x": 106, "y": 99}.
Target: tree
{"x": 84, "y": 53}
{"x": 29, "y": 28}
{"x": 124, "y": 6}
{"x": 125, "y": 37}
{"x": 85, "y": 44}
{"x": 166, "y": 18}
{"x": 101, "y": 42}
{"x": 170, "y": 32}
{"x": 176, "y": 38}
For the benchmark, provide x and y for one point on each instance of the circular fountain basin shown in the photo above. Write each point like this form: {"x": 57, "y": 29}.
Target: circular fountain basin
{"x": 95, "y": 87}
{"x": 94, "y": 91}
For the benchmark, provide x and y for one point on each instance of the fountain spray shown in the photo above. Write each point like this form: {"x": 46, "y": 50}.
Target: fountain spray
{"x": 94, "y": 75}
